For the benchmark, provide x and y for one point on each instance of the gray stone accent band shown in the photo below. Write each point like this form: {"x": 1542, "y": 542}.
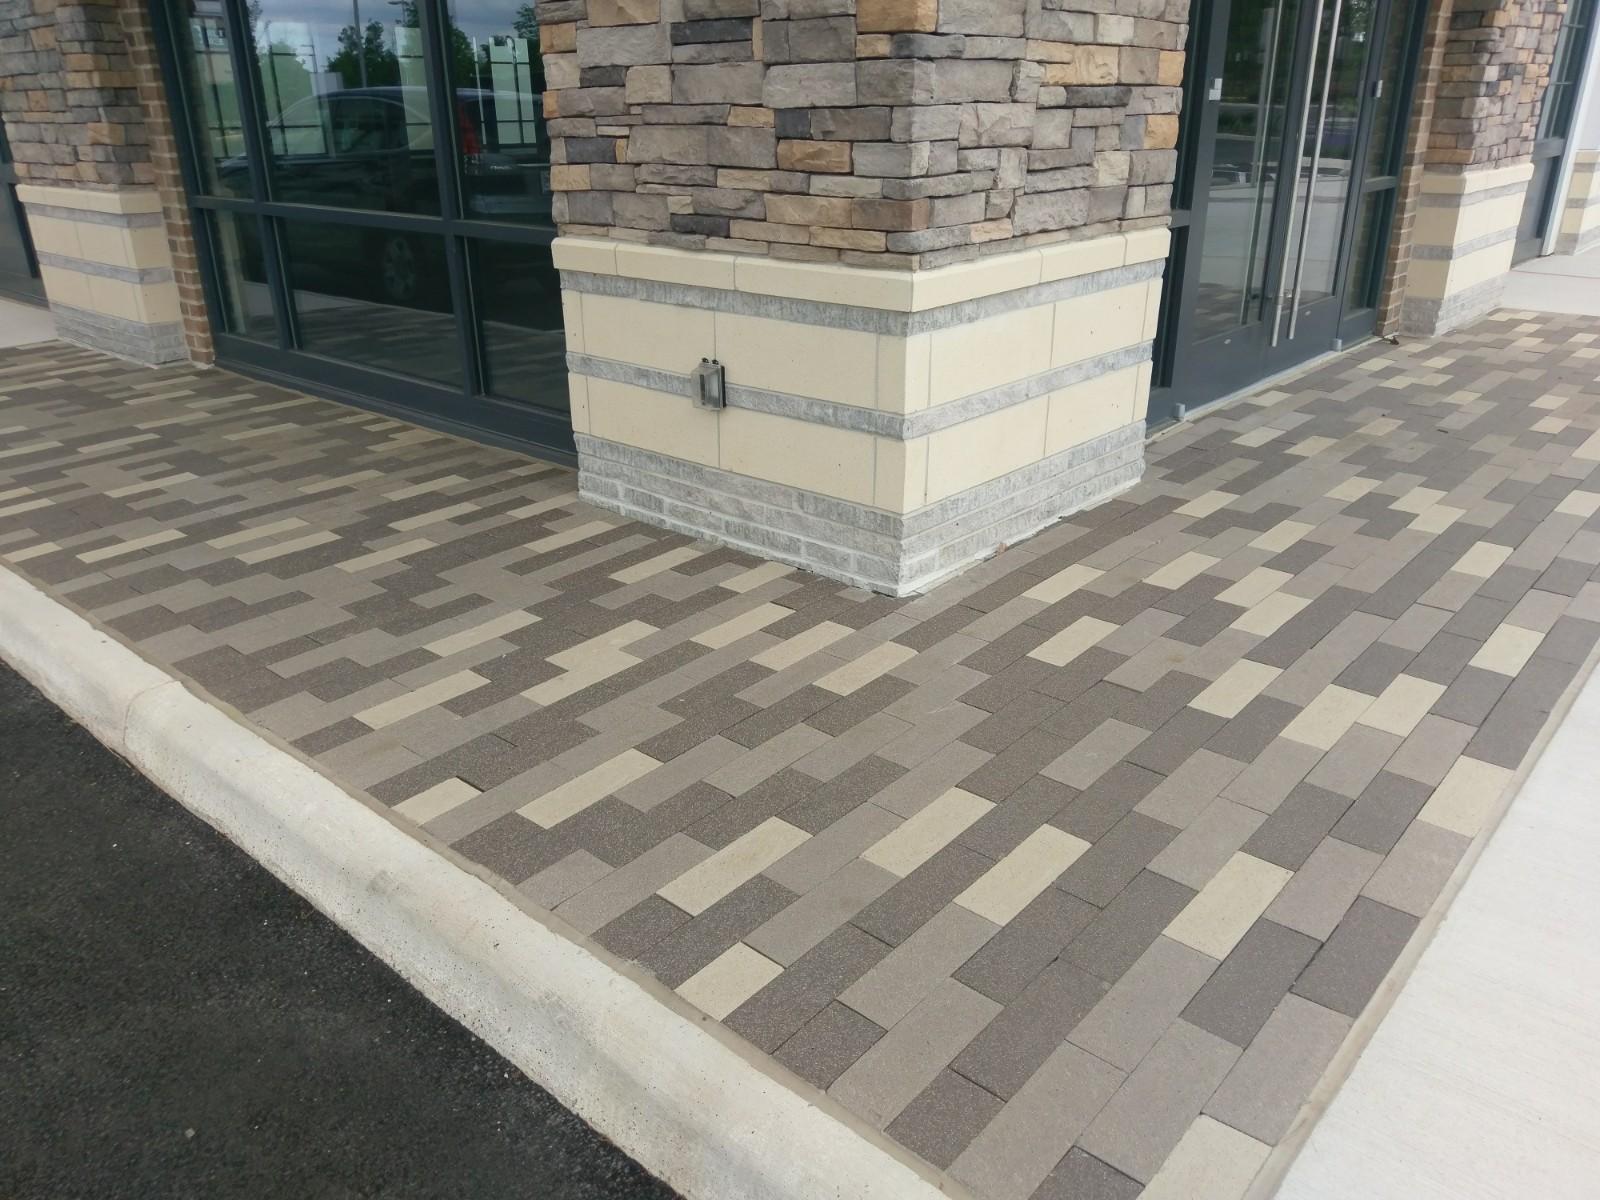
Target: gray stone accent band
{"x": 847, "y": 316}
{"x": 147, "y": 344}
{"x": 1462, "y": 249}
{"x": 855, "y": 543}
{"x": 1468, "y": 199}
{"x": 84, "y": 266}
{"x": 1432, "y": 317}
{"x": 899, "y": 426}
{"x": 89, "y": 216}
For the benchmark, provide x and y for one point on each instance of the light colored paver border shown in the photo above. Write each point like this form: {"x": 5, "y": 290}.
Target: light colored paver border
{"x": 662, "y": 1083}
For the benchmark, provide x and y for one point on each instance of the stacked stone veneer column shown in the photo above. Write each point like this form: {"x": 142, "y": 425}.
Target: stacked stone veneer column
{"x": 1495, "y": 69}
{"x": 69, "y": 96}
{"x": 925, "y": 238}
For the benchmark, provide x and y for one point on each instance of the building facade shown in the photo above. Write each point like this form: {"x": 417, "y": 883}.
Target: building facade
{"x": 873, "y": 286}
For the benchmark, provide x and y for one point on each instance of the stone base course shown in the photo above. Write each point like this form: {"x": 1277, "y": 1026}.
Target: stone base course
{"x": 883, "y": 429}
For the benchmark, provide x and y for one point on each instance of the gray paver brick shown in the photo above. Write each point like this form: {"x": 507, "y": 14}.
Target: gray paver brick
{"x": 1199, "y": 852}
{"x": 1113, "y": 862}
{"x": 898, "y": 984}
{"x": 1115, "y": 939}
{"x": 1082, "y": 1176}
{"x": 885, "y": 1079}
{"x": 1351, "y": 963}
{"x": 1143, "y": 1004}
{"x": 1316, "y": 899}
{"x": 1293, "y": 831}
{"x": 1415, "y": 871}
{"x": 1265, "y": 1089}
{"x": 1005, "y": 964}
{"x": 796, "y": 929}
{"x": 1238, "y": 998}
{"x": 1140, "y": 1125}
{"x": 941, "y": 1121}
{"x": 1024, "y": 1034}
{"x": 827, "y": 1044}
{"x": 1017, "y": 1150}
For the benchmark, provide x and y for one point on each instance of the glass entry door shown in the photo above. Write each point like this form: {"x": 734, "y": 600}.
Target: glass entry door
{"x": 1286, "y": 163}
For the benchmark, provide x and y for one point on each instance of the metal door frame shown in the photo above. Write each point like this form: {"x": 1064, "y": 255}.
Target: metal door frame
{"x": 1352, "y": 318}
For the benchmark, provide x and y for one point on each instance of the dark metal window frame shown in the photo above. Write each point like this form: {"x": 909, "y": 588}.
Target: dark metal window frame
{"x": 470, "y": 410}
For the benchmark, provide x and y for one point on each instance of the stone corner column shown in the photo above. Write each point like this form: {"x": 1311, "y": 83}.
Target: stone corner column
{"x": 79, "y": 130}
{"x": 1494, "y": 68}
{"x": 924, "y": 239}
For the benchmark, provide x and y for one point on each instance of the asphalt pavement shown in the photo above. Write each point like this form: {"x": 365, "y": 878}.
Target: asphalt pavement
{"x": 174, "y": 1022}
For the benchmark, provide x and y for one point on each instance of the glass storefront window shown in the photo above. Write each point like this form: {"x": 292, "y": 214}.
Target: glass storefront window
{"x": 346, "y": 104}
{"x": 331, "y": 257}
{"x": 242, "y": 277}
{"x": 519, "y": 303}
{"x": 497, "y": 80}
{"x": 374, "y": 297}
{"x": 213, "y": 94}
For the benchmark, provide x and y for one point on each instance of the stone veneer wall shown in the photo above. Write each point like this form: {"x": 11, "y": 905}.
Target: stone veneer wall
{"x": 892, "y": 133}
{"x": 76, "y": 84}
{"x": 1496, "y": 66}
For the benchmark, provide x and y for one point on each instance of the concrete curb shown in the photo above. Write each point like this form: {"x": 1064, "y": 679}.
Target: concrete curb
{"x": 682, "y": 1100}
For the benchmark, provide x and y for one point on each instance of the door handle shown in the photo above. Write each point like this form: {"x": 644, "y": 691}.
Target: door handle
{"x": 1299, "y": 154}
{"x": 1316, "y": 165}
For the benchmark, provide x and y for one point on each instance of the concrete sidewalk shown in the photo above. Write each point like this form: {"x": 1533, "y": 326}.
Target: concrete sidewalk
{"x": 24, "y": 324}
{"x": 1074, "y": 874}
{"x": 1559, "y": 283}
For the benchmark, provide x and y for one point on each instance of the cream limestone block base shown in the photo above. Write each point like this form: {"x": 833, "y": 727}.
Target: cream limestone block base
{"x": 107, "y": 269}
{"x": 883, "y": 428}
{"x": 1466, "y": 228}
{"x": 1580, "y": 215}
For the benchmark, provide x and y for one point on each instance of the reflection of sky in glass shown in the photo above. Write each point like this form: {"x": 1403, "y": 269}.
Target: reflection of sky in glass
{"x": 311, "y": 27}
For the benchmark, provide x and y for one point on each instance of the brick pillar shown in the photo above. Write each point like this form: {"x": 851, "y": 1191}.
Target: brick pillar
{"x": 924, "y": 238}
{"x": 167, "y": 177}
{"x": 1490, "y": 87}
{"x": 69, "y": 95}
{"x": 1435, "y": 35}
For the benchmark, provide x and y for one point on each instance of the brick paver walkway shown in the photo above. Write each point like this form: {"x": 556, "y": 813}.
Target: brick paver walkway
{"x": 1071, "y": 875}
